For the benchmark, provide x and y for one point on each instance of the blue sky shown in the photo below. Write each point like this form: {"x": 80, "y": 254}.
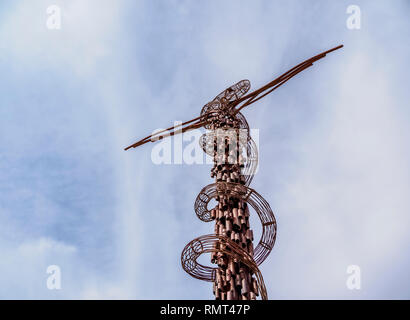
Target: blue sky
{"x": 333, "y": 143}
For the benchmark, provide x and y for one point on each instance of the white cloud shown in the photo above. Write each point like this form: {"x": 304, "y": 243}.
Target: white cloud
{"x": 85, "y": 36}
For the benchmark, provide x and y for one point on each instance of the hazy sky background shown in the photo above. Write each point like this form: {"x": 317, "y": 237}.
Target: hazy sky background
{"x": 334, "y": 155}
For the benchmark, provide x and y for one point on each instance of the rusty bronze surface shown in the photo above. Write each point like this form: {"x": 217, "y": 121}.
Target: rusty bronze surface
{"x": 235, "y": 156}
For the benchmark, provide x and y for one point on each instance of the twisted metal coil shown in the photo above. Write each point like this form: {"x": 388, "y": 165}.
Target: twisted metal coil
{"x": 222, "y": 100}
{"x": 251, "y": 162}
{"x": 217, "y": 243}
{"x": 257, "y": 202}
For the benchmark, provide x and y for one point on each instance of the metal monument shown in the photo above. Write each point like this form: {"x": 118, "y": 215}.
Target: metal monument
{"x": 235, "y": 157}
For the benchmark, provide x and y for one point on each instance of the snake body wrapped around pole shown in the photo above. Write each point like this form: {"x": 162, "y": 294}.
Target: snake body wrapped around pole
{"x": 235, "y": 155}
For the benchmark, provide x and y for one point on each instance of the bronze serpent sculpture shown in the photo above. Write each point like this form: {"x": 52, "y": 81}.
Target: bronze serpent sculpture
{"x": 235, "y": 157}
{"x": 231, "y": 247}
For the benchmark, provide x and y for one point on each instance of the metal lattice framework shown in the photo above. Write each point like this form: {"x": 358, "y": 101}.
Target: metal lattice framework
{"x": 217, "y": 243}
{"x": 213, "y": 243}
{"x": 235, "y": 156}
{"x": 257, "y": 202}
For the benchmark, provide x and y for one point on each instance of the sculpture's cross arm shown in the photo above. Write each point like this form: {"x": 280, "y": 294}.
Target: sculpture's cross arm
{"x": 268, "y": 88}
{"x": 181, "y": 128}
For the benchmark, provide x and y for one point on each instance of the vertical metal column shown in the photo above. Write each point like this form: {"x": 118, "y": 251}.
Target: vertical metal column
{"x": 234, "y": 280}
